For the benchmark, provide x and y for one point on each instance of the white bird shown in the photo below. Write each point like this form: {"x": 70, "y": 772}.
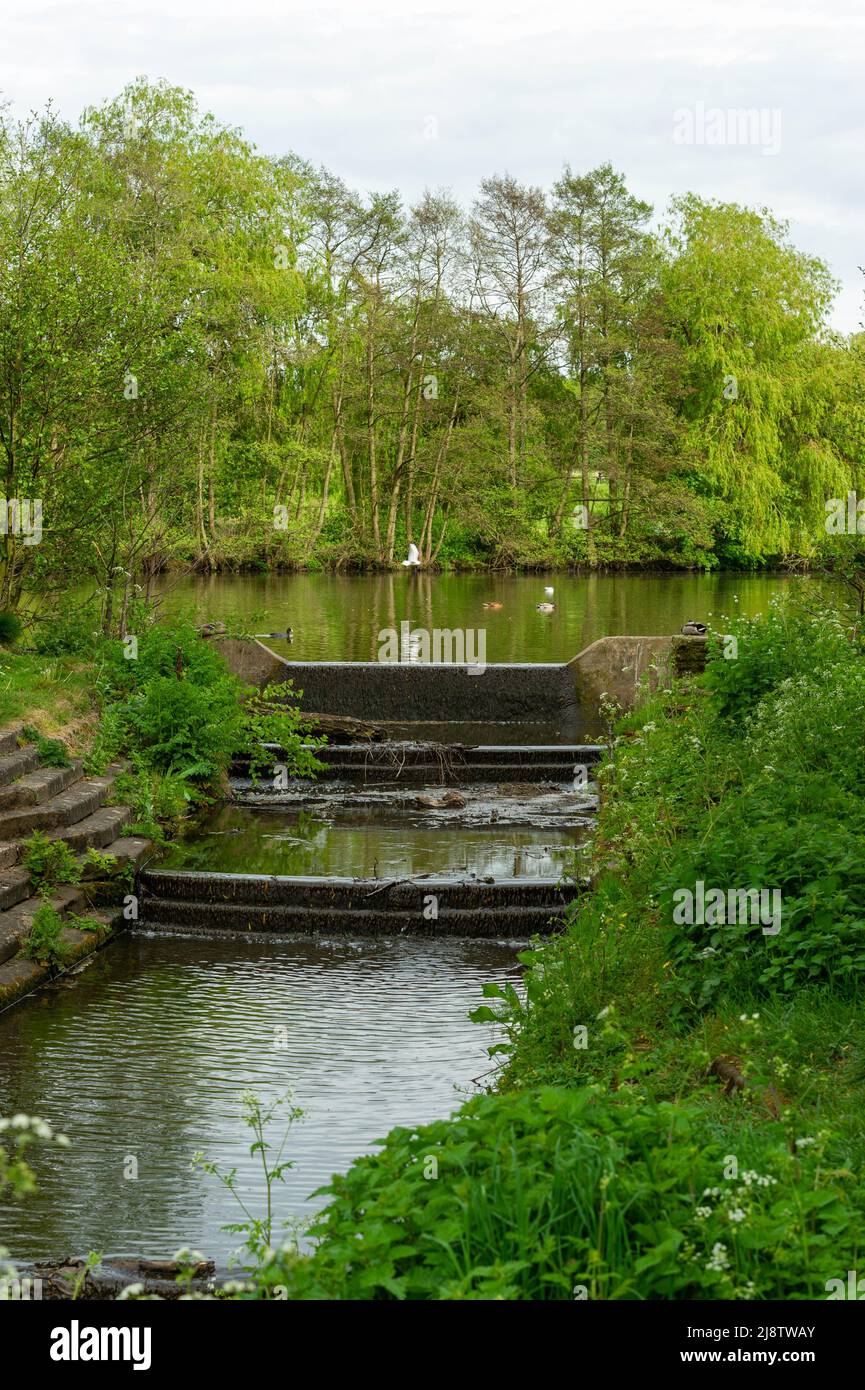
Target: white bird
{"x": 549, "y": 591}
{"x": 413, "y": 556}
{"x": 546, "y": 608}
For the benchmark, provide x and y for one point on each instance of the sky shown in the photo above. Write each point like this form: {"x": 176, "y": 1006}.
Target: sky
{"x": 411, "y": 94}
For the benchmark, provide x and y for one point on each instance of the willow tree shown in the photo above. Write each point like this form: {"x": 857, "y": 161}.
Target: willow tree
{"x": 747, "y": 308}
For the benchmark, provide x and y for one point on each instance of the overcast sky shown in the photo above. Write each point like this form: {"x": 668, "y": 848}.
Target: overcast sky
{"x": 416, "y": 93}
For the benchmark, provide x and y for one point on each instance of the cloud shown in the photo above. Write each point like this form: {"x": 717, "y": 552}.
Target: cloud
{"x": 523, "y": 88}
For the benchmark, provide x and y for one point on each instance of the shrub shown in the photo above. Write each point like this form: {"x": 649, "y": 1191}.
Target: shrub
{"x": 181, "y": 716}
{"x": 557, "y": 1193}
{"x": 783, "y": 642}
{"x": 52, "y": 753}
{"x": 74, "y": 632}
{"x": 43, "y": 942}
{"x": 10, "y": 628}
{"x": 49, "y": 861}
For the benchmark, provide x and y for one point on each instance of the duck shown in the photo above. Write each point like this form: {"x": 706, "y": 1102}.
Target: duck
{"x": 693, "y": 629}
{"x": 413, "y": 557}
{"x": 546, "y": 608}
{"x": 494, "y": 605}
{"x": 287, "y": 636}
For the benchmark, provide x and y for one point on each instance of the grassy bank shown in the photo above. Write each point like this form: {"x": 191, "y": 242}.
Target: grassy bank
{"x": 679, "y": 1109}
{"x": 163, "y": 702}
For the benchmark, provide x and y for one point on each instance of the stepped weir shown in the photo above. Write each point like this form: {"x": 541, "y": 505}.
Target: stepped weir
{"x": 454, "y": 814}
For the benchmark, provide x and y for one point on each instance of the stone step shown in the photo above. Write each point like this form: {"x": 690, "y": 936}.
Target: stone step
{"x": 422, "y": 753}
{"x": 35, "y": 788}
{"x": 129, "y": 849}
{"x": 15, "y": 764}
{"x": 417, "y": 766}
{"x": 512, "y": 923}
{"x": 67, "y": 808}
{"x": 20, "y": 976}
{"x": 15, "y": 923}
{"x": 349, "y": 895}
{"x": 96, "y": 831}
{"x": 10, "y": 738}
{"x": 8, "y": 854}
{"x": 14, "y": 886}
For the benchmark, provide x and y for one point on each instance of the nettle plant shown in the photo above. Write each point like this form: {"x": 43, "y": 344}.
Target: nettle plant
{"x": 564, "y": 1193}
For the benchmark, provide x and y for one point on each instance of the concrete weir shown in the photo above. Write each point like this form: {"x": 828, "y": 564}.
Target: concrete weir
{"x": 556, "y": 704}
{"x": 428, "y": 906}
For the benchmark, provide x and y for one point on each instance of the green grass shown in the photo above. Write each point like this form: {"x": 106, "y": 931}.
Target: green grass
{"x": 50, "y": 692}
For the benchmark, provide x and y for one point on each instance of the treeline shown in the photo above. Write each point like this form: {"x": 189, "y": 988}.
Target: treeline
{"x": 210, "y": 358}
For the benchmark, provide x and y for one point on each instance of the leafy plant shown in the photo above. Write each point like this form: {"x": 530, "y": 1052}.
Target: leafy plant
{"x": 10, "y": 628}
{"x": 556, "y": 1194}
{"x": 42, "y": 942}
{"x": 270, "y": 718}
{"x": 258, "y": 1115}
{"x": 49, "y": 861}
{"x": 52, "y": 753}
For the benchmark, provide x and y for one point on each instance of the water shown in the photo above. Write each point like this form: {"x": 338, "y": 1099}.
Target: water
{"x": 236, "y": 840}
{"x": 339, "y": 617}
{"x": 145, "y": 1055}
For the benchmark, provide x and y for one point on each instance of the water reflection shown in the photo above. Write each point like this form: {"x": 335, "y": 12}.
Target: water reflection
{"x": 147, "y": 1053}
{"x": 238, "y": 840}
{"x": 339, "y": 617}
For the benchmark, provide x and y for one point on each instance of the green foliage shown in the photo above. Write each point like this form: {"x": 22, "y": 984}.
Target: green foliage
{"x": 556, "y": 1194}
{"x": 98, "y": 864}
{"x": 73, "y": 632}
{"x": 84, "y": 923}
{"x": 270, "y": 718}
{"x": 616, "y": 1183}
{"x": 52, "y": 753}
{"x": 785, "y": 642}
{"x": 157, "y": 799}
{"x": 42, "y": 942}
{"x": 597, "y": 374}
{"x": 179, "y": 716}
{"x": 175, "y": 706}
{"x": 259, "y": 1117}
{"x": 10, "y": 628}
{"x": 49, "y": 862}
{"x": 19, "y": 1133}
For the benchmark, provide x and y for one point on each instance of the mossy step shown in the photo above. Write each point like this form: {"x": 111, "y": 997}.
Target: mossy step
{"x": 129, "y": 849}
{"x": 11, "y": 738}
{"x": 8, "y": 854}
{"x": 35, "y": 788}
{"x": 96, "y": 831}
{"x": 16, "y": 922}
{"x": 514, "y": 923}
{"x": 15, "y": 882}
{"x": 15, "y": 764}
{"x": 14, "y": 886}
{"x": 68, "y": 808}
{"x": 20, "y": 976}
